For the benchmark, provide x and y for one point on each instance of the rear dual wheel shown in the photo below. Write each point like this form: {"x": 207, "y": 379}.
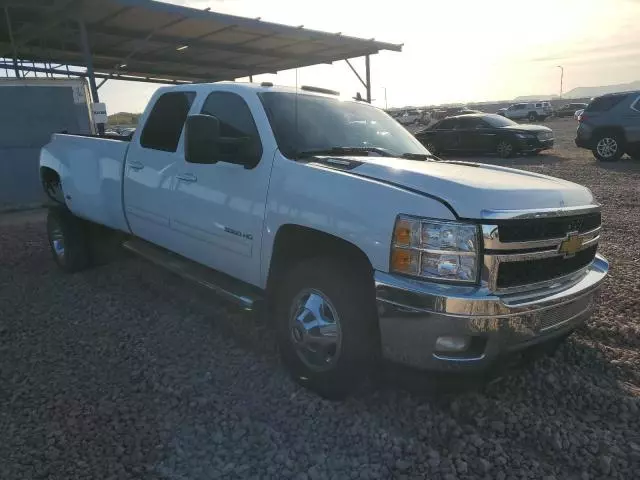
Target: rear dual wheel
{"x": 68, "y": 240}
{"x": 77, "y": 244}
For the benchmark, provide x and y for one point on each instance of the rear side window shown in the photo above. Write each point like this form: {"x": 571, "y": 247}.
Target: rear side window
{"x": 602, "y": 104}
{"x": 166, "y": 120}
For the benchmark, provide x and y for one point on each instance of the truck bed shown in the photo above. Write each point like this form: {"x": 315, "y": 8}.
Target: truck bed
{"x": 91, "y": 172}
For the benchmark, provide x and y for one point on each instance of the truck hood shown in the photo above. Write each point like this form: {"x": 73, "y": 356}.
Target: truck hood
{"x": 471, "y": 188}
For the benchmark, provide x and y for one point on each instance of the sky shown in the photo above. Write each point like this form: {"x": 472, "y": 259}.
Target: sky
{"x": 454, "y": 50}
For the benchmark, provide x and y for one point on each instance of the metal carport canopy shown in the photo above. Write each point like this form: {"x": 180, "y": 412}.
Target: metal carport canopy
{"x": 159, "y": 41}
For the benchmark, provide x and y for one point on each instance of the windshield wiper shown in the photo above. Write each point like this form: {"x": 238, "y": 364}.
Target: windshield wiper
{"x": 419, "y": 156}
{"x": 355, "y": 151}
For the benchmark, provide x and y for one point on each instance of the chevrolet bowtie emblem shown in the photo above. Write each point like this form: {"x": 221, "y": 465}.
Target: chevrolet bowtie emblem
{"x": 570, "y": 245}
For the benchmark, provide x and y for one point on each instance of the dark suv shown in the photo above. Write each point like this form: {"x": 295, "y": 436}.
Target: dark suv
{"x": 610, "y": 126}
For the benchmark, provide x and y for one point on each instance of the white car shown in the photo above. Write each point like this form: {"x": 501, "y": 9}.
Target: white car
{"x": 530, "y": 111}
{"x": 358, "y": 243}
{"x": 409, "y": 117}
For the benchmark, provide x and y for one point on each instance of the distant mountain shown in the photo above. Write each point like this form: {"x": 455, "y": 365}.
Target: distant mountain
{"x": 531, "y": 98}
{"x": 124, "y": 118}
{"x": 588, "y": 92}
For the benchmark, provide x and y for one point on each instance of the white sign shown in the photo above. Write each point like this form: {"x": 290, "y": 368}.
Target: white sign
{"x": 99, "y": 112}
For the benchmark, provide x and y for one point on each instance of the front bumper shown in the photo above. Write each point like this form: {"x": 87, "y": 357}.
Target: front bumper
{"x": 413, "y": 314}
{"x": 534, "y": 145}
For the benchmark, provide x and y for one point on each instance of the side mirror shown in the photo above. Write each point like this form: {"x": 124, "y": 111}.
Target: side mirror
{"x": 201, "y": 139}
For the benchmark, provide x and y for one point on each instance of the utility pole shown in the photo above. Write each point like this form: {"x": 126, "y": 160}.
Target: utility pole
{"x": 561, "y": 78}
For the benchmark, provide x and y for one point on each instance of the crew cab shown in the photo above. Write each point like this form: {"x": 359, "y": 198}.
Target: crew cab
{"x": 328, "y": 215}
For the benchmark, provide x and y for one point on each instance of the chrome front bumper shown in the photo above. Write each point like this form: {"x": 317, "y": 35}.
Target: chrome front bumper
{"x": 413, "y": 314}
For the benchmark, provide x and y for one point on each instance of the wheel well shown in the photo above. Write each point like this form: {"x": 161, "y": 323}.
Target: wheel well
{"x": 618, "y": 131}
{"x": 294, "y": 243}
{"x": 51, "y": 184}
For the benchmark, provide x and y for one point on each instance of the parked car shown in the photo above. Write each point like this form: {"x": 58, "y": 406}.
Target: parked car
{"x": 485, "y": 133}
{"x": 610, "y": 126}
{"x": 578, "y": 113}
{"x": 357, "y": 242}
{"x": 569, "y": 109}
{"x": 530, "y": 111}
{"x": 409, "y": 117}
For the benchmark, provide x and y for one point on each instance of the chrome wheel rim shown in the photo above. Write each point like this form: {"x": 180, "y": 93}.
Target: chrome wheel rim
{"x": 504, "y": 149}
{"x": 607, "y": 147}
{"x": 57, "y": 241}
{"x": 314, "y": 326}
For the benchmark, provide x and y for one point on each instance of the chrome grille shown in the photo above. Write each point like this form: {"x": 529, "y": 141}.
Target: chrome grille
{"x": 546, "y": 228}
{"x": 530, "y": 253}
{"x": 548, "y": 319}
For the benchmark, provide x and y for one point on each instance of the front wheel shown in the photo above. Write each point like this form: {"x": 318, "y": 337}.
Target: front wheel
{"x": 326, "y": 324}
{"x": 608, "y": 148}
{"x": 68, "y": 240}
{"x": 505, "y": 149}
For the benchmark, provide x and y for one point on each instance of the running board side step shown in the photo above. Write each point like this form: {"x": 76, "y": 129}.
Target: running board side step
{"x": 235, "y": 291}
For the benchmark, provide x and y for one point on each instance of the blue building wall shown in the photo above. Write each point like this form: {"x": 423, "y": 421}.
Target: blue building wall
{"x": 29, "y": 114}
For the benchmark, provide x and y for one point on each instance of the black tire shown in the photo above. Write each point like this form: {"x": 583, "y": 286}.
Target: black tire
{"x": 608, "y": 147}
{"x": 505, "y": 149}
{"x": 533, "y": 116}
{"x": 351, "y": 298}
{"x": 68, "y": 240}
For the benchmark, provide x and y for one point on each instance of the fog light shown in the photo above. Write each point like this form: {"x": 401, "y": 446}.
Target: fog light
{"x": 452, "y": 344}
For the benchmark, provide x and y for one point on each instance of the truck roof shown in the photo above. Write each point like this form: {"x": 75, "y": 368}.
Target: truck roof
{"x": 242, "y": 86}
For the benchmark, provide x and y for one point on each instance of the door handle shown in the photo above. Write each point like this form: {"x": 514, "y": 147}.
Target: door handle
{"x": 135, "y": 165}
{"x": 187, "y": 177}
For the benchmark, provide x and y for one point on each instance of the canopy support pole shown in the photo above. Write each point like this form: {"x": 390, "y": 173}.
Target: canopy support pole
{"x": 366, "y": 83}
{"x": 13, "y": 43}
{"x": 367, "y": 74}
{"x": 88, "y": 61}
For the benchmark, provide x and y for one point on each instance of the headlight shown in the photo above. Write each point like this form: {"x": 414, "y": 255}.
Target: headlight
{"x": 524, "y": 136}
{"x": 435, "y": 249}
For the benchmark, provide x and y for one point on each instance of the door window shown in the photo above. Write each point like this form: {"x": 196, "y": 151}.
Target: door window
{"x": 469, "y": 123}
{"x": 163, "y": 128}
{"x": 448, "y": 124}
{"x": 236, "y": 121}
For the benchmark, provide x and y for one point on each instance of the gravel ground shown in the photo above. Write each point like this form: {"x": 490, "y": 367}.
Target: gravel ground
{"x": 127, "y": 372}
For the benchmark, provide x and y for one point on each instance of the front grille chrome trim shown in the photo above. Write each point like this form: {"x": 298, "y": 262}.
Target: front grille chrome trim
{"x": 492, "y": 241}
{"x": 538, "y": 213}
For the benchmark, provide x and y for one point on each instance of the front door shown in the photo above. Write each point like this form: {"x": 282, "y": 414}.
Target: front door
{"x": 218, "y": 209}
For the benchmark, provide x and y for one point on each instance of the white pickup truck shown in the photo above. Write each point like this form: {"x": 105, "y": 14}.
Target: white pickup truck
{"x": 361, "y": 244}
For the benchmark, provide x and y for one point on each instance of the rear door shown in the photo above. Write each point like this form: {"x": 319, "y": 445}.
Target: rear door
{"x": 151, "y": 165}
{"x": 448, "y": 137}
{"x": 465, "y": 137}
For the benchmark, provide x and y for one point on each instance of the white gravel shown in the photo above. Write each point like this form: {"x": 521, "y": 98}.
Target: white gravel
{"x": 127, "y": 372}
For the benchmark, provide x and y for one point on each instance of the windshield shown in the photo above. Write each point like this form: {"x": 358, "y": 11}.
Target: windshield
{"x": 326, "y": 123}
{"x": 498, "y": 121}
